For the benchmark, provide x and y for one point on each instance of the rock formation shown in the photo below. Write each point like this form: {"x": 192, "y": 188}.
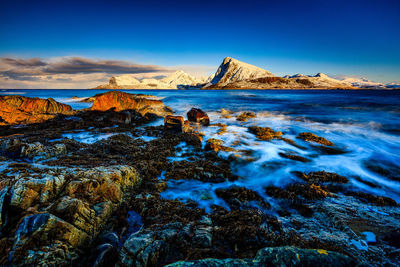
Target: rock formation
{"x": 120, "y": 101}
{"x": 16, "y": 109}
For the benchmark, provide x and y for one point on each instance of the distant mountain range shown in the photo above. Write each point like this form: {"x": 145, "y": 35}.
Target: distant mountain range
{"x": 234, "y": 74}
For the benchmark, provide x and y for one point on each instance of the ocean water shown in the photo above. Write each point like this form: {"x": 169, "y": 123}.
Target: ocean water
{"x": 365, "y": 123}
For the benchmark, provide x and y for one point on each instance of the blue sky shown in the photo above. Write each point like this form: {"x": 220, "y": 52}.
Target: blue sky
{"x": 286, "y": 37}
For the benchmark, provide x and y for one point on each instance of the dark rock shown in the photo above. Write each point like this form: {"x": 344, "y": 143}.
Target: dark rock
{"x": 244, "y": 116}
{"x": 293, "y": 156}
{"x": 199, "y": 116}
{"x": 216, "y": 145}
{"x": 175, "y": 124}
{"x": 265, "y": 133}
{"x": 310, "y": 137}
{"x": 237, "y": 196}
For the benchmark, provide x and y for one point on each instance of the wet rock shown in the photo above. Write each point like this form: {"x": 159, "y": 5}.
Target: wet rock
{"x": 15, "y": 109}
{"x": 244, "y": 116}
{"x": 175, "y": 124}
{"x": 38, "y": 232}
{"x": 327, "y": 150}
{"x": 384, "y": 168}
{"x": 15, "y": 148}
{"x": 308, "y": 191}
{"x": 138, "y": 248}
{"x": 3, "y": 204}
{"x": 107, "y": 255}
{"x": 279, "y": 256}
{"x": 265, "y": 133}
{"x": 238, "y": 197}
{"x": 226, "y": 113}
{"x": 293, "y": 156}
{"x": 217, "y": 145}
{"x": 310, "y": 137}
{"x": 202, "y": 236}
{"x": 322, "y": 177}
{"x": 203, "y": 170}
{"x": 376, "y": 200}
{"x": 125, "y": 101}
{"x": 199, "y": 116}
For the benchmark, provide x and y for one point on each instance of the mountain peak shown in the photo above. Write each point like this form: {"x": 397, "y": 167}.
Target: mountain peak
{"x": 321, "y": 75}
{"x": 232, "y": 70}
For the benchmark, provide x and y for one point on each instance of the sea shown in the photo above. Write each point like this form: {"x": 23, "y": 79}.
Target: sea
{"x": 364, "y": 123}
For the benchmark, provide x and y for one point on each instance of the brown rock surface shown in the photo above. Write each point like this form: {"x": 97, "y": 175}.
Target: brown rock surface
{"x": 16, "y": 109}
{"x": 124, "y": 101}
{"x": 197, "y": 115}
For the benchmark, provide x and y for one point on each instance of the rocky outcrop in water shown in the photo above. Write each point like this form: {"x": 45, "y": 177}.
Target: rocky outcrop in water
{"x": 16, "y": 109}
{"x": 120, "y": 101}
{"x": 199, "y": 116}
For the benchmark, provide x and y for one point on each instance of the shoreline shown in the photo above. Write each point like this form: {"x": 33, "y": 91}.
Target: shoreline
{"x": 107, "y": 184}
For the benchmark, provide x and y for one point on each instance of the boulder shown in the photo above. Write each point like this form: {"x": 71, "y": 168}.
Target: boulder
{"x": 199, "y": 116}
{"x": 38, "y": 232}
{"x": 176, "y": 124}
{"x": 120, "y": 101}
{"x": 15, "y": 109}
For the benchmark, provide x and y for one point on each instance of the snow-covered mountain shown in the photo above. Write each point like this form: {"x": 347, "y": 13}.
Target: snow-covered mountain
{"x": 232, "y": 70}
{"x": 177, "y": 80}
{"x": 234, "y": 74}
{"x": 181, "y": 79}
{"x": 362, "y": 82}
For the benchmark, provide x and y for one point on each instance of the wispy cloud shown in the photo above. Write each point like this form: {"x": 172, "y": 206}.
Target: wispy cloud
{"x": 77, "y": 72}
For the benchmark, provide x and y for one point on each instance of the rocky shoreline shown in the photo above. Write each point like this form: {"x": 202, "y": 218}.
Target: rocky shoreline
{"x": 65, "y": 202}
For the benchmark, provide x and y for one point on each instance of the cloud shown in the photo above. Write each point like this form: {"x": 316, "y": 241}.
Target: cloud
{"x": 78, "y": 72}
{"x": 33, "y": 62}
{"x": 21, "y": 69}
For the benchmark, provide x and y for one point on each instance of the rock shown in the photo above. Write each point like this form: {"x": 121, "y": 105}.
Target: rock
{"x": 226, "y": 113}
{"x": 279, "y": 256}
{"x": 292, "y": 256}
{"x": 123, "y": 101}
{"x": 135, "y": 244}
{"x": 15, "y": 109}
{"x": 322, "y": 177}
{"x": 310, "y": 137}
{"x": 199, "y": 116}
{"x": 107, "y": 256}
{"x": 202, "y": 236}
{"x": 237, "y": 197}
{"x": 217, "y": 145}
{"x": 175, "y": 124}
{"x": 29, "y": 191}
{"x": 265, "y": 133}
{"x": 244, "y": 116}
{"x": 3, "y": 193}
{"x": 38, "y": 232}
{"x": 14, "y": 148}
{"x": 293, "y": 156}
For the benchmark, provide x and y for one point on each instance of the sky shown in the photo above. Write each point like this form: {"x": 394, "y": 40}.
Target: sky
{"x": 80, "y": 44}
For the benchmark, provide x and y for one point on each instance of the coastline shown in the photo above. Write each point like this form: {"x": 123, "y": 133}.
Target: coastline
{"x": 138, "y": 184}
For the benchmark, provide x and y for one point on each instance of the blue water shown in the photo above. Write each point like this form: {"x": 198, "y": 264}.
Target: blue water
{"x": 365, "y": 123}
